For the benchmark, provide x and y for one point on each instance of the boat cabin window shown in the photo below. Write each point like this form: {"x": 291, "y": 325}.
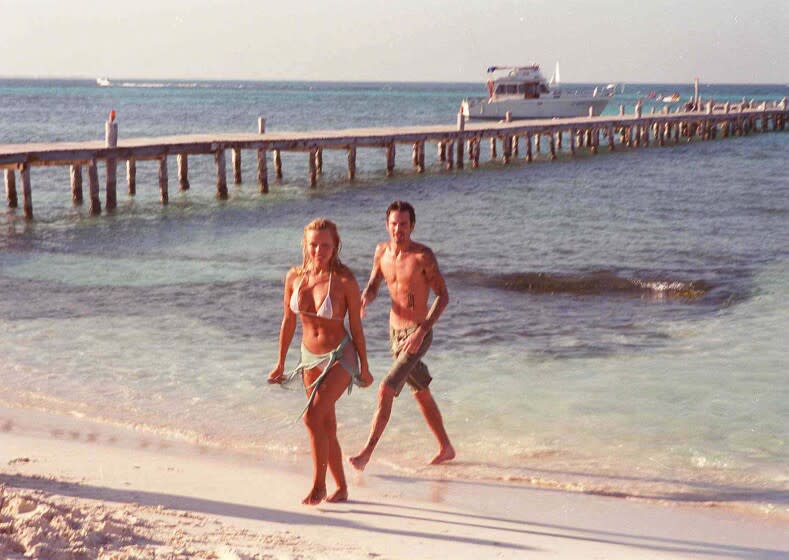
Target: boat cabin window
{"x": 507, "y": 88}
{"x": 530, "y": 90}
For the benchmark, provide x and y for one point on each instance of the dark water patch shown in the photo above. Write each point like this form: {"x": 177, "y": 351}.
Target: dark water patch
{"x": 232, "y": 307}
{"x": 592, "y": 283}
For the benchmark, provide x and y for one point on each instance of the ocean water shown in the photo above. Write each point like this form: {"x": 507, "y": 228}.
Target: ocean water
{"x": 615, "y": 323}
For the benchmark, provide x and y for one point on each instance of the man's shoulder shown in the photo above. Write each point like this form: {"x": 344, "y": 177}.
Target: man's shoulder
{"x": 421, "y": 250}
{"x": 380, "y": 248}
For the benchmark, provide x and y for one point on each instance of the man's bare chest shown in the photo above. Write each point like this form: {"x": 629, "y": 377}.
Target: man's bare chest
{"x": 399, "y": 271}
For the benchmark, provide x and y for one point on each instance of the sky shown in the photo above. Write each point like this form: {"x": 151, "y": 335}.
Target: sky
{"x": 598, "y": 41}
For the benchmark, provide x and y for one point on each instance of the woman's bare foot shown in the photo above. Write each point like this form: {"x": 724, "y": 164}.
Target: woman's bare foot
{"x": 359, "y": 461}
{"x": 341, "y": 495}
{"x": 315, "y": 497}
{"x": 444, "y": 455}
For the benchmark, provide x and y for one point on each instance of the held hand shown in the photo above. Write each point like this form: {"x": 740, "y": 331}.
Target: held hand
{"x": 365, "y": 379}
{"x": 275, "y": 376}
{"x": 414, "y": 341}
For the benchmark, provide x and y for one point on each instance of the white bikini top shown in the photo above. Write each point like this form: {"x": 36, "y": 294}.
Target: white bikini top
{"x": 325, "y": 311}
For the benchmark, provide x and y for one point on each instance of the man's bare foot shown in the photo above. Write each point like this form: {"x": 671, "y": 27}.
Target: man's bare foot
{"x": 341, "y": 495}
{"x": 315, "y": 497}
{"x": 444, "y": 455}
{"x": 359, "y": 461}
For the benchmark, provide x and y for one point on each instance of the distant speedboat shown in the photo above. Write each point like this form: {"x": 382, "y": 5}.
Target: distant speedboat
{"x": 673, "y": 98}
{"x": 526, "y": 94}
{"x": 103, "y": 82}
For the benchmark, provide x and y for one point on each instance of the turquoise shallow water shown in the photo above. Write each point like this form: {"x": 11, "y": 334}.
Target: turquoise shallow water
{"x": 615, "y": 326}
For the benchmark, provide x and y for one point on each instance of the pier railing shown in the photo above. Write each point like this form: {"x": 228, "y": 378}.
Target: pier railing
{"x": 454, "y": 143}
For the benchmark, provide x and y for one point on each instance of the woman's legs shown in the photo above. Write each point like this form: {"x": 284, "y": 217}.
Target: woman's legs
{"x": 335, "y": 459}
{"x": 321, "y": 425}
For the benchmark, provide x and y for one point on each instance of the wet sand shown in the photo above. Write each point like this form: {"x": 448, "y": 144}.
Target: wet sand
{"x": 77, "y": 489}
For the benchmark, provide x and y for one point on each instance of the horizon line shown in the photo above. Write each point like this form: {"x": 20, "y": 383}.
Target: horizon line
{"x": 357, "y": 81}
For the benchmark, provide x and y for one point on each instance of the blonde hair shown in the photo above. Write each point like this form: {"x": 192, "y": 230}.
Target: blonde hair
{"x": 322, "y": 224}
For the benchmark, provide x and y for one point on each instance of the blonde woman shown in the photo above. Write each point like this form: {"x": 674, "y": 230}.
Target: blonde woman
{"x": 322, "y": 291}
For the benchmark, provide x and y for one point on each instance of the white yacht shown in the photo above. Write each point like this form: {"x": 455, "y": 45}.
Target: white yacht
{"x": 103, "y": 82}
{"x": 526, "y": 94}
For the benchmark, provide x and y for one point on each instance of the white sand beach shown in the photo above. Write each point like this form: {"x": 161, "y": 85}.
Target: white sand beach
{"x": 76, "y": 489}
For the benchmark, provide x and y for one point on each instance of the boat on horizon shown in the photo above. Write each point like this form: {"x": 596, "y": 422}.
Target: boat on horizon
{"x": 103, "y": 82}
{"x": 524, "y": 93}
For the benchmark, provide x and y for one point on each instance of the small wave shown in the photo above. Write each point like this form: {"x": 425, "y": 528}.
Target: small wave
{"x": 594, "y": 283}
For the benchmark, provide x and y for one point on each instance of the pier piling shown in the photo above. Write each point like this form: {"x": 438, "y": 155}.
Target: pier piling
{"x": 235, "y": 157}
{"x": 27, "y": 192}
{"x": 182, "y": 161}
{"x": 111, "y": 141}
{"x": 351, "y": 162}
{"x": 262, "y": 167}
{"x": 390, "y": 158}
{"x": 475, "y": 144}
{"x": 163, "y": 181}
{"x": 221, "y": 174}
{"x": 313, "y": 168}
{"x": 131, "y": 176}
{"x": 277, "y": 165}
{"x": 76, "y": 183}
{"x": 450, "y": 163}
{"x": 10, "y": 188}
{"x": 93, "y": 188}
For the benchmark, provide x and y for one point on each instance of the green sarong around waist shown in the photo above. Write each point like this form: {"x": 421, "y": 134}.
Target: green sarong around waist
{"x": 309, "y": 360}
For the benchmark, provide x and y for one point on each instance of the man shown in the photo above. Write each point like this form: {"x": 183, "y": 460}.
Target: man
{"x": 411, "y": 271}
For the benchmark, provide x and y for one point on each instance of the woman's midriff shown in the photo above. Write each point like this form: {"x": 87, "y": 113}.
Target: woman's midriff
{"x": 321, "y": 335}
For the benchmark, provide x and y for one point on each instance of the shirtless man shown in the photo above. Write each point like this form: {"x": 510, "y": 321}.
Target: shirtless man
{"x": 411, "y": 271}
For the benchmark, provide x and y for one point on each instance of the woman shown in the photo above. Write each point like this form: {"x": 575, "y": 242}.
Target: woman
{"x": 322, "y": 290}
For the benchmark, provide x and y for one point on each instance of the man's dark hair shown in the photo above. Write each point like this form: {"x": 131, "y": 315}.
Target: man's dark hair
{"x": 402, "y": 206}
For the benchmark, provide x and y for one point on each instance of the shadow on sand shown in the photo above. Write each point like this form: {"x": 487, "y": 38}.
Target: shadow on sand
{"x": 397, "y": 515}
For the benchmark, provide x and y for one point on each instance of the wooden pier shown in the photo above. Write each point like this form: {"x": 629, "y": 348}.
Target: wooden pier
{"x": 454, "y": 144}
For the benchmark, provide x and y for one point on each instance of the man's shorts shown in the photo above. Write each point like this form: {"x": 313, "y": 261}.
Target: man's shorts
{"x": 408, "y": 368}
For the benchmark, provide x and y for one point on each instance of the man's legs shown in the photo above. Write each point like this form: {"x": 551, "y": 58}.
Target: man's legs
{"x": 386, "y": 395}
{"x": 433, "y": 418}
{"x": 407, "y": 367}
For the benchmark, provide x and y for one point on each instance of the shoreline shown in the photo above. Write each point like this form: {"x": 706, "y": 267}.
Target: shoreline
{"x": 176, "y": 498}
{"x": 41, "y": 422}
